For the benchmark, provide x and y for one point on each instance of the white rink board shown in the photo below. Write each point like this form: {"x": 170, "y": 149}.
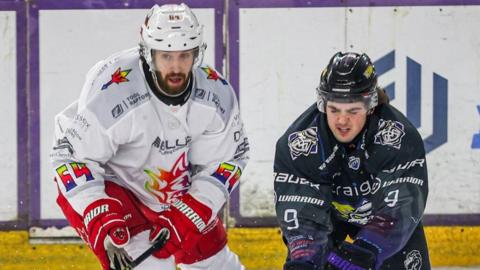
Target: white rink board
{"x": 8, "y": 109}
{"x": 444, "y": 40}
{"x": 71, "y": 42}
{"x": 288, "y": 47}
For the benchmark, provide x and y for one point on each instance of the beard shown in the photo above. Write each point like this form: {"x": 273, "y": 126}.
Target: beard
{"x": 173, "y": 83}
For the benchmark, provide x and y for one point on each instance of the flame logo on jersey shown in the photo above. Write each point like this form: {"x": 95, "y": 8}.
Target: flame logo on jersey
{"x": 213, "y": 75}
{"x": 118, "y": 76}
{"x": 168, "y": 185}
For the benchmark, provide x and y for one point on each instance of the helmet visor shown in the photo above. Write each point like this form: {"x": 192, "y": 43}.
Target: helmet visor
{"x": 370, "y": 98}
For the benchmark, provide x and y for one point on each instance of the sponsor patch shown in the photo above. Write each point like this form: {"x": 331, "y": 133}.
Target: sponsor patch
{"x": 390, "y": 133}
{"x": 81, "y": 121}
{"x": 171, "y": 146}
{"x": 409, "y": 164}
{"x": 301, "y": 245}
{"x": 117, "y": 111}
{"x": 293, "y": 179}
{"x": 300, "y": 199}
{"x": 64, "y": 143}
{"x": 400, "y": 180}
{"x": 355, "y": 190}
{"x": 242, "y": 148}
{"x": 329, "y": 159}
{"x": 190, "y": 214}
{"x": 200, "y": 93}
{"x": 135, "y": 98}
{"x": 303, "y": 142}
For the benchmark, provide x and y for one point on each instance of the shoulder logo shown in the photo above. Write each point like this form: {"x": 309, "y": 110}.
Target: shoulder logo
{"x": 303, "y": 142}
{"x": 118, "y": 76}
{"x": 390, "y": 133}
{"x": 213, "y": 75}
{"x": 413, "y": 260}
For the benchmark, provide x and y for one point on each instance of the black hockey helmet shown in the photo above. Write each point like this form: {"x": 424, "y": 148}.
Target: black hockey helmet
{"x": 349, "y": 77}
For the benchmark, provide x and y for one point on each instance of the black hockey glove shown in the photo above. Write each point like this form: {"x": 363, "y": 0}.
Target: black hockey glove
{"x": 298, "y": 266}
{"x": 351, "y": 257}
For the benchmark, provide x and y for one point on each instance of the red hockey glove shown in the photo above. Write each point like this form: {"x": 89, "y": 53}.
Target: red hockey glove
{"x": 107, "y": 232}
{"x": 186, "y": 219}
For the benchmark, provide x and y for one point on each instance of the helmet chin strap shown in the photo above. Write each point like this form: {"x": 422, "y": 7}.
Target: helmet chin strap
{"x": 155, "y": 81}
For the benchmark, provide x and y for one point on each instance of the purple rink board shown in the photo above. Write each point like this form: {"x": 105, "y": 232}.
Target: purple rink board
{"x": 28, "y": 120}
{"x": 21, "y": 222}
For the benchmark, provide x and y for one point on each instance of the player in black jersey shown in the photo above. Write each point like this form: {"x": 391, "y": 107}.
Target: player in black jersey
{"x": 351, "y": 165}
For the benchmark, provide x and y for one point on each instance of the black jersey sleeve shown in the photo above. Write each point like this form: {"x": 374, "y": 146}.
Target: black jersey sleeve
{"x": 400, "y": 195}
{"x": 302, "y": 205}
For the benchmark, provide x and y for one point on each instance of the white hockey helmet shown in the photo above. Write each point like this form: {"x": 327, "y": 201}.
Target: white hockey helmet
{"x": 171, "y": 28}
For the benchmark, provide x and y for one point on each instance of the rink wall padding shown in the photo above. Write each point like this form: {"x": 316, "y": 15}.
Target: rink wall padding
{"x": 271, "y": 93}
{"x": 259, "y": 249}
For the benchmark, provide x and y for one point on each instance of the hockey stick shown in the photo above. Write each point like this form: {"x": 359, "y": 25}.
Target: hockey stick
{"x": 158, "y": 244}
{"x": 163, "y": 237}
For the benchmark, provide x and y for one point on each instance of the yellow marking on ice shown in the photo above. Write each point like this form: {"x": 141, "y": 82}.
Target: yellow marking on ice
{"x": 258, "y": 248}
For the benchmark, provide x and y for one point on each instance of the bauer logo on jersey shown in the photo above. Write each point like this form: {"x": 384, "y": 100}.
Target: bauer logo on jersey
{"x": 390, "y": 133}
{"x": 303, "y": 142}
{"x": 213, "y": 75}
{"x": 118, "y": 76}
{"x": 413, "y": 260}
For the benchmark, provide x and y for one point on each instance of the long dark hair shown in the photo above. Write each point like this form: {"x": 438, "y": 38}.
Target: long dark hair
{"x": 382, "y": 96}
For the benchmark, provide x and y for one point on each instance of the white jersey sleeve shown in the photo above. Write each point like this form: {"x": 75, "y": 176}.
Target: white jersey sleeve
{"x": 83, "y": 144}
{"x": 221, "y": 152}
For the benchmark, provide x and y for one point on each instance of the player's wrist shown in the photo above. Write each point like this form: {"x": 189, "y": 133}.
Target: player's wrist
{"x": 351, "y": 256}
{"x": 196, "y": 213}
{"x": 299, "y": 266}
{"x": 366, "y": 246}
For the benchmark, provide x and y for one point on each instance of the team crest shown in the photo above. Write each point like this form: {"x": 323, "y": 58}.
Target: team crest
{"x": 213, "y": 75}
{"x": 413, "y": 261}
{"x": 390, "y": 133}
{"x": 354, "y": 163}
{"x": 118, "y": 76}
{"x": 303, "y": 142}
{"x": 168, "y": 185}
{"x": 360, "y": 214}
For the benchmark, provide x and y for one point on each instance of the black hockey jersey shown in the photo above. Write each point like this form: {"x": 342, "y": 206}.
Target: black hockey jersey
{"x": 376, "y": 185}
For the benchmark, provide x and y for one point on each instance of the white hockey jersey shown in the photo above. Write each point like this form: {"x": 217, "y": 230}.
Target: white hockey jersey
{"x": 120, "y": 131}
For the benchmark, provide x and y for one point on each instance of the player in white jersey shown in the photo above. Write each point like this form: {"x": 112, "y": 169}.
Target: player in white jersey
{"x": 154, "y": 141}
